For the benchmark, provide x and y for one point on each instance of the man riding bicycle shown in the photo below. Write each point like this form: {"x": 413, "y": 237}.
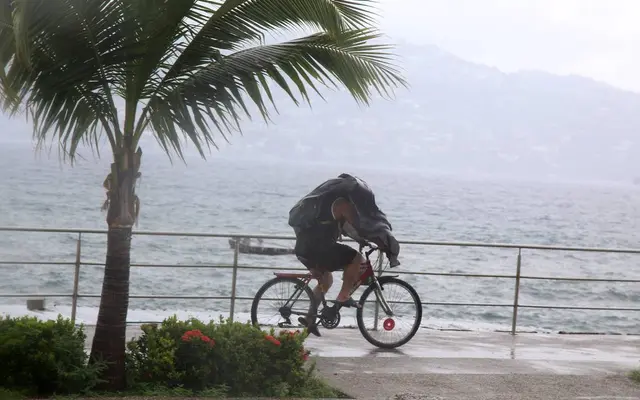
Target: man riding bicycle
{"x": 340, "y": 206}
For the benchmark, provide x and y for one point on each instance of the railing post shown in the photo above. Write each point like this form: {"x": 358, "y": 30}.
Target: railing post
{"x": 234, "y": 278}
{"x": 76, "y": 279}
{"x": 375, "y": 316}
{"x": 517, "y": 293}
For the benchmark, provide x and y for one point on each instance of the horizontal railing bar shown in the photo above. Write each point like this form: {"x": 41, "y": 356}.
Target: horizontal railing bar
{"x": 371, "y": 300}
{"x": 580, "y": 308}
{"x": 424, "y": 303}
{"x": 290, "y": 237}
{"x": 37, "y": 263}
{"x": 161, "y": 297}
{"x": 456, "y": 274}
{"x": 522, "y": 246}
{"x": 272, "y": 268}
{"x": 211, "y": 266}
{"x": 181, "y": 266}
{"x": 551, "y": 278}
{"x": 51, "y": 230}
{"x": 390, "y": 271}
{"x": 436, "y": 303}
{"x": 22, "y": 295}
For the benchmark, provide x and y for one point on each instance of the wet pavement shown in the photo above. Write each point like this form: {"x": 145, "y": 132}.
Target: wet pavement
{"x": 439, "y": 365}
{"x": 549, "y": 352}
{"x": 447, "y": 365}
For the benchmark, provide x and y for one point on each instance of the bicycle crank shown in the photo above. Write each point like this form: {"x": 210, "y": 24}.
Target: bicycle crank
{"x": 330, "y": 317}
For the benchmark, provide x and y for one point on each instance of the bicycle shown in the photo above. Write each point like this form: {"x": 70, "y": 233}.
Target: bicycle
{"x": 329, "y": 317}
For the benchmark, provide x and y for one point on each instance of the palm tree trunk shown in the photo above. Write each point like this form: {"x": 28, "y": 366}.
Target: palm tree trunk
{"x": 109, "y": 340}
{"x": 110, "y": 335}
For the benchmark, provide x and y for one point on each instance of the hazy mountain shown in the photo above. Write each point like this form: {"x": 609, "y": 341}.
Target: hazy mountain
{"x": 461, "y": 117}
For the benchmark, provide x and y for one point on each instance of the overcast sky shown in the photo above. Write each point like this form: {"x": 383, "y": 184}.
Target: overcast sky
{"x": 595, "y": 38}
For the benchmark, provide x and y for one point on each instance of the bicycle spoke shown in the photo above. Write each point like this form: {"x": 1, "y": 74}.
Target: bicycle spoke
{"x": 395, "y": 328}
{"x": 281, "y": 301}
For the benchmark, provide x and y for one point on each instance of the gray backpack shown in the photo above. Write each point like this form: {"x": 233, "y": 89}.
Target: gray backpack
{"x": 305, "y": 212}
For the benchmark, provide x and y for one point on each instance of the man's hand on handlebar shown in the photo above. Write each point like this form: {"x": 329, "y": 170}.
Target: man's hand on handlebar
{"x": 393, "y": 261}
{"x": 364, "y": 244}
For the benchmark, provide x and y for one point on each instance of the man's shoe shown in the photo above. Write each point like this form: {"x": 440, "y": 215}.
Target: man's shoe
{"x": 312, "y": 328}
{"x": 350, "y": 302}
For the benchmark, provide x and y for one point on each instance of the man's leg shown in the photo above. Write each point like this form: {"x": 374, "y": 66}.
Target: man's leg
{"x": 350, "y": 277}
{"x": 325, "y": 280}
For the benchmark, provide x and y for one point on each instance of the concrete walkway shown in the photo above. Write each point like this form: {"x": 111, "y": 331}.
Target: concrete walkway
{"x": 438, "y": 365}
{"x": 477, "y": 366}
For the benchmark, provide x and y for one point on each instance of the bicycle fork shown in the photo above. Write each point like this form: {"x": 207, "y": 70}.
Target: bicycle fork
{"x": 380, "y": 299}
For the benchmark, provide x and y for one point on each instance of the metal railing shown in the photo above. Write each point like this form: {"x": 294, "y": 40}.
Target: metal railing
{"x": 517, "y": 277}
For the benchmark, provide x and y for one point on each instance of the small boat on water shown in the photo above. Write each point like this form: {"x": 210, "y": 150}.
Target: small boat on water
{"x": 246, "y": 247}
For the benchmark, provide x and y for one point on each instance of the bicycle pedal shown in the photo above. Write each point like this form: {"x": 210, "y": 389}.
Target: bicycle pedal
{"x": 286, "y": 324}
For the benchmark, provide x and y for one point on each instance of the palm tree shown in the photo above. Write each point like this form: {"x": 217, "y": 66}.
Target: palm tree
{"x": 85, "y": 70}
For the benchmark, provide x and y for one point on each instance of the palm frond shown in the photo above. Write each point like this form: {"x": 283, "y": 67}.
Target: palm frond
{"x": 61, "y": 60}
{"x": 236, "y": 21}
{"x": 190, "y": 65}
{"x": 156, "y": 25}
{"x": 216, "y": 92}
{"x": 7, "y": 44}
{"x": 233, "y": 23}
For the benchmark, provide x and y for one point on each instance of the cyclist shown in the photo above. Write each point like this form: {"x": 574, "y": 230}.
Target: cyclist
{"x": 339, "y": 206}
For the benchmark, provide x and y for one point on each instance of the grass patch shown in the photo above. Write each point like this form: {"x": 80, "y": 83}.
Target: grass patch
{"x": 314, "y": 388}
{"x": 148, "y": 391}
{"x": 317, "y": 388}
{"x": 6, "y": 394}
{"x": 635, "y": 375}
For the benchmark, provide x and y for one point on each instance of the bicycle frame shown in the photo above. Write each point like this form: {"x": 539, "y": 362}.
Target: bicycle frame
{"x": 369, "y": 271}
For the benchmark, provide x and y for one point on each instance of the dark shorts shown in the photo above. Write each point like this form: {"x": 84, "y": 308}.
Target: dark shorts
{"x": 326, "y": 257}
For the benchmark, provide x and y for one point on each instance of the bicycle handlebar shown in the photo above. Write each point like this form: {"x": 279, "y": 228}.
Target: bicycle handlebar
{"x": 372, "y": 248}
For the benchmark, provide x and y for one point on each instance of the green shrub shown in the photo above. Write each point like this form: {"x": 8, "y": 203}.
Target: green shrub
{"x": 44, "y": 357}
{"x": 160, "y": 355}
{"x": 635, "y": 375}
{"x": 6, "y": 394}
{"x": 199, "y": 356}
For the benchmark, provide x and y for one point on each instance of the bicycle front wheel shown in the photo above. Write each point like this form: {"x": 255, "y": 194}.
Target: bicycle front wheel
{"x": 280, "y": 302}
{"x": 394, "y": 329}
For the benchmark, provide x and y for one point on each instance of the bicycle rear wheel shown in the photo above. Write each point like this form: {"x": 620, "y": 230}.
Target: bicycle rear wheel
{"x": 383, "y": 330}
{"x": 280, "y": 301}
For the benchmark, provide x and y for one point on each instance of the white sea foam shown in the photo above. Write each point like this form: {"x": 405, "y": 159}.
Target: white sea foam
{"x": 89, "y": 315}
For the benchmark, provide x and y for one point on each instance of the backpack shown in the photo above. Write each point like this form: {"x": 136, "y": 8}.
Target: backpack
{"x": 304, "y": 214}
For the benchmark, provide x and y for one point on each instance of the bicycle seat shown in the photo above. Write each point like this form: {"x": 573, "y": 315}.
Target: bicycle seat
{"x": 292, "y": 275}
